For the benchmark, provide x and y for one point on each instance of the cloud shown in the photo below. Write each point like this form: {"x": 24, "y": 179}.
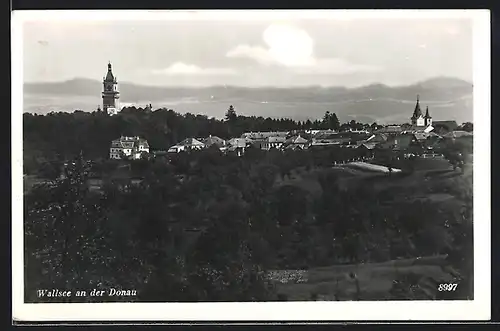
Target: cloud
{"x": 286, "y": 45}
{"x": 293, "y": 48}
{"x": 257, "y": 53}
{"x": 180, "y": 68}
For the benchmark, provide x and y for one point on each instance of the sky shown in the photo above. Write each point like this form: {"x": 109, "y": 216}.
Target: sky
{"x": 260, "y": 52}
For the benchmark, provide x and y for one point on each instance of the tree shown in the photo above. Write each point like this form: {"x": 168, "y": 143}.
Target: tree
{"x": 334, "y": 122}
{"x": 330, "y": 121}
{"x": 231, "y": 115}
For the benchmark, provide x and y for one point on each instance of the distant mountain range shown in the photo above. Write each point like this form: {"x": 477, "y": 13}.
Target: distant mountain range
{"x": 447, "y": 98}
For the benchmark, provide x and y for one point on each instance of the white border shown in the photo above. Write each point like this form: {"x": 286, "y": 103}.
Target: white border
{"x": 478, "y": 309}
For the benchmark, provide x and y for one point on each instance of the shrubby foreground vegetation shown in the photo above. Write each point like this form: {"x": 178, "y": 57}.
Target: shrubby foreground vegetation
{"x": 208, "y": 227}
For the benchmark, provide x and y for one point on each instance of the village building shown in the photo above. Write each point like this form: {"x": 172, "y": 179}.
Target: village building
{"x": 315, "y": 133}
{"x": 237, "y": 145}
{"x": 273, "y": 142}
{"x": 257, "y": 143}
{"x": 128, "y": 147}
{"x": 296, "y": 142}
{"x": 212, "y": 141}
{"x": 187, "y": 144}
{"x": 263, "y": 135}
{"x": 390, "y": 130}
{"x": 377, "y": 138}
{"x": 110, "y": 94}
{"x": 400, "y": 142}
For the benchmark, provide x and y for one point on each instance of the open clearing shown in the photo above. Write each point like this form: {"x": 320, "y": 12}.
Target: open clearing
{"x": 374, "y": 280}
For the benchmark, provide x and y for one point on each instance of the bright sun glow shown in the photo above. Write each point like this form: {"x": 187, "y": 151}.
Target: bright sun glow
{"x": 288, "y": 45}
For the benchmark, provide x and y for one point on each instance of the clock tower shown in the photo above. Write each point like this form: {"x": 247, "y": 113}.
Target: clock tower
{"x": 110, "y": 94}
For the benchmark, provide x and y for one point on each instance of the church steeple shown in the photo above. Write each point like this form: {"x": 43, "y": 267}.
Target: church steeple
{"x": 417, "y": 119}
{"x": 109, "y": 75}
{"x": 110, "y": 94}
{"x": 427, "y": 117}
{"x": 417, "y": 112}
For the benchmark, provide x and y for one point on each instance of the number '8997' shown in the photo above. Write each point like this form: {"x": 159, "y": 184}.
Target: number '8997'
{"x": 447, "y": 287}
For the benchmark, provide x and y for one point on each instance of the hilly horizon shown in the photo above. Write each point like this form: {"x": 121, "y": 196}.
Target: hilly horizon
{"x": 448, "y": 99}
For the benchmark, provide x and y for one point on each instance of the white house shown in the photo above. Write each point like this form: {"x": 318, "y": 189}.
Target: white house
{"x": 131, "y": 147}
{"x": 273, "y": 142}
{"x": 187, "y": 144}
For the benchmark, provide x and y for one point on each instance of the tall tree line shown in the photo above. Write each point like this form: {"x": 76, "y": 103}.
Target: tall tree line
{"x": 65, "y": 135}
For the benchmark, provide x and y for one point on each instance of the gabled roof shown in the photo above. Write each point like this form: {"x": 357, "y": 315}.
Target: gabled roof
{"x": 297, "y": 140}
{"x": 377, "y": 137}
{"x": 190, "y": 142}
{"x": 214, "y": 140}
{"x": 129, "y": 142}
{"x": 237, "y": 142}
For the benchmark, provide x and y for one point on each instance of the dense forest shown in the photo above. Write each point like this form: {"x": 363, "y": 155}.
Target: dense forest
{"x": 205, "y": 226}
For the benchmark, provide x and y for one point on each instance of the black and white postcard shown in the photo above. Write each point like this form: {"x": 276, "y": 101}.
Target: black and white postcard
{"x": 312, "y": 165}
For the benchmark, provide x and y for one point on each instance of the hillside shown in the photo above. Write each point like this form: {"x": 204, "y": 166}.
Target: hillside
{"x": 448, "y": 98}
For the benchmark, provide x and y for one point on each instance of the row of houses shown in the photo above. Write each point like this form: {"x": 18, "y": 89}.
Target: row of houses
{"x": 135, "y": 147}
{"x": 290, "y": 140}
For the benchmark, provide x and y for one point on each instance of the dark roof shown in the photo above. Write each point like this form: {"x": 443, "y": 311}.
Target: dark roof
{"x": 214, "y": 140}
{"x": 398, "y": 142}
{"x": 109, "y": 75}
{"x": 128, "y": 142}
{"x": 377, "y": 137}
{"x": 427, "y": 115}
{"x": 417, "y": 112}
{"x": 403, "y": 141}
